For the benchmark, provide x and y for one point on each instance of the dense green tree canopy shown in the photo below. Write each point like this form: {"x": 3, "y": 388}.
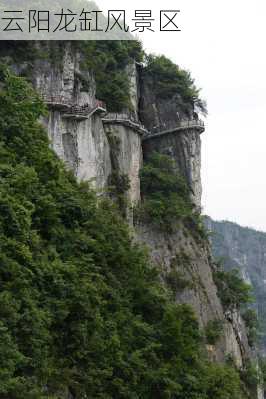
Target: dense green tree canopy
{"x": 171, "y": 80}
{"x": 109, "y": 60}
{"x": 233, "y": 291}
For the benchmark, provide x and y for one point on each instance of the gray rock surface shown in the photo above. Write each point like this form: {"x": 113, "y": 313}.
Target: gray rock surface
{"x": 84, "y": 145}
{"x": 160, "y": 113}
{"x": 184, "y": 148}
{"x": 180, "y": 252}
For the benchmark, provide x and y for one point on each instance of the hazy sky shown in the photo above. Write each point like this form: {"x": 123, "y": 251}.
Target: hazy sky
{"x": 223, "y": 44}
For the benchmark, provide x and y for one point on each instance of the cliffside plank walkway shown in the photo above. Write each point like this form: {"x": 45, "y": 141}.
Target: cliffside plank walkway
{"x": 57, "y": 101}
{"x": 195, "y": 124}
{"x": 76, "y": 112}
{"x": 83, "y": 112}
{"x": 125, "y": 119}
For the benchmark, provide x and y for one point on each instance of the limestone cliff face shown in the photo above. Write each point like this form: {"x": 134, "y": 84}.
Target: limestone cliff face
{"x": 159, "y": 113}
{"x": 80, "y": 142}
{"x": 94, "y": 144}
{"x": 181, "y": 252}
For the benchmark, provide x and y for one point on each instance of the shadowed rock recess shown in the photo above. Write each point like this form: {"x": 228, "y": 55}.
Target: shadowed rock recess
{"x": 115, "y": 148}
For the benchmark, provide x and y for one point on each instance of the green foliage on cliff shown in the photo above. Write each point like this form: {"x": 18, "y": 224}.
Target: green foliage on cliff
{"x": 166, "y": 196}
{"x": 177, "y": 281}
{"x": 232, "y": 289}
{"x": 81, "y": 309}
{"x": 170, "y": 80}
{"x": 165, "y": 192}
{"x": 25, "y": 53}
{"x": 224, "y": 383}
{"x": 213, "y": 331}
{"x": 236, "y": 294}
{"x": 250, "y": 375}
{"x": 118, "y": 186}
{"x": 262, "y": 366}
{"x": 108, "y": 60}
{"x": 252, "y": 325}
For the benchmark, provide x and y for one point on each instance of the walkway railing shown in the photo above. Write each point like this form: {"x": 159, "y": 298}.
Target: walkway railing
{"x": 122, "y": 116}
{"x": 191, "y": 123}
{"x": 127, "y": 117}
{"x": 183, "y": 123}
{"x": 180, "y": 125}
{"x": 73, "y": 109}
{"x": 55, "y": 99}
{"x": 86, "y": 109}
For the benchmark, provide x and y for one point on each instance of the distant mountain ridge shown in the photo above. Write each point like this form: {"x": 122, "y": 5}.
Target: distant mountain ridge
{"x": 243, "y": 248}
